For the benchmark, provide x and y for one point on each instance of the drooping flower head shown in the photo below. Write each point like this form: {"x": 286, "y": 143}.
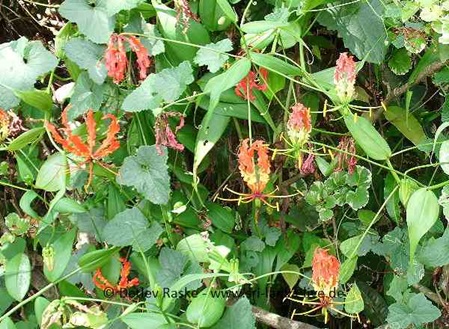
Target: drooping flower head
{"x": 124, "y": 283}
{"x": 344, "y": 77}
{"x": 115, "y": 58}
{"x": 164, "y": 134}
{"x": 244, "y": 88}
{"x": 299, "y": 125}
{"x": 255, "y": 172}
{"x": 117, "y": 62}
{"x": 87, "y": 150}
{"x": 346, "y": 156}
{"x": 325, "y": 271}
{"x": 308, "y": 165}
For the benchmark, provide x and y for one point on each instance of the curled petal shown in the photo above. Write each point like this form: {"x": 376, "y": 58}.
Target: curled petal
{"x": 256, "y": 173}
{"x": 325, "y": 271}
{"x": 110, "y": 144}
{"x": 91, "y": 130}
{"x": 143, "y": 58}
{"x": 101, "y": 282}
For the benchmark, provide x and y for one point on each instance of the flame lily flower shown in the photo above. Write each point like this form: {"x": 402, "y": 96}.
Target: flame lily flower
{"x": 75, "y": 145}
{"x": 344, "y": 78}
{"x": 117, "y": 62}
{"x": 244, "y": 88}
{"x": 299, "y": 125}
{"x": 325, "y": 271}
{"x": 164, "y": 134}
{"x": 347, "y": 155}
{"x": 124, "y": 283}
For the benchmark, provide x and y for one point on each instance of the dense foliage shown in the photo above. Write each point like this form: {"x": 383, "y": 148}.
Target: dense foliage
{"x": 223, "y": 163}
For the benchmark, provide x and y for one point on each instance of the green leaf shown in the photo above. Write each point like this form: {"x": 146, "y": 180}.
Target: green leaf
{"x": 214, "y": 57}
{"x": 154, "y": 45}
{"x": 227, "y": 9}
{"x": 18, "y": 276}
{"x": 167, "y": 85}
{"x": 393, "y": 202}
{"x": 130, "y": 227}
{"x": 89, "y": 56}
{"x": 444, "y": 157}
{"x": 96, "y": 259}
{"x": 147, "y": 171}
{"x": 212, "y": 16}
{"x": 443, "y": 201}
{"x": 170, "y": 29}
{"x": 422, "y": 213}
{"x": 275, "y": 64}
{"x": 221, "y": 217}
{"x": 28, "y": 137}
{"x": 205, "y": 310}
{"x": 146, "y": 321}
{"x": 39, "y": 99}
{"x": 91, "y": 222}
{"x": 16, "y": 224}
{"x": 40, "y": 304}
{"x": 400, "y": 62}
{"x": 361, "y": 26}
{"x": 435, "y": 252}
{"x": 83, "y": 14}
{"x": 367, "y": 137}
{"x": 354, "y": 301}
{"x": 195, "y": 247}
{"x": 66, "y": 205}
{"x": 7, "y": 323}
{"x": 406, "y": 123}
{"x": 239, "y": 315}
{"x": 86, "y": 95}
{"x": 114, "y": 6}
{"x": 63, "y": 249}
{"x": 52, "y": 174}
{"x": 291, "y": 278}
{"x": 375, "y": 306}
{"x": 417, "y": 311}
{"x": 21, "y": 63}
{"x": 347, "y": 269}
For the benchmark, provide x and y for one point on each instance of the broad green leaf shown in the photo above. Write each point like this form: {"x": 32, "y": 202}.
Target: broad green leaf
{"x": 422, "y": 213}
{"x": 205, "y": 310}
{"x": 212, "y": 16}
{"x": 130, "y": 227}
{"x": 63, "y": 249}
{"x": 444, "y": 156}
{"x": 147, "y": 172}
{"x": 89, "y": 56}
{"x": 375, "y": 306}
{"x": 7, "y": 323}
{"x": 86, "y": 95}
{"x": 417, "y": 311}
{"x": 257, "y": 27}
{"x": 275, "y": 64}
{"x": 361, "y": 26}
{"x": 146, "y": 321}
{"x": 166, "y": 85}
{"x": 66, "y": 205}
{"x": 435, "y": 252}
{"x": 214, "y": 56}
{"x": 21, "y": 63}
{"x": 170, "y": 29}
{"x": 400, "y": 62}
{"x": 25, "y": 203}
{"x": 40, "y": 304}
{"x": 291, "y": 278}
{"x": 347, "y": 269}
{"x": 5, "y": 301}
{"x": 406, "y": 188}
{"x": 18, "y": 276}
{"x": 393, "y": 202}
{"x": 367, "y": 137}
{"x": 207, "y": 136}
{"x": 96, "y": 259}
{"x": 227, "y": 9}
{"x": 239, "y": 110}
{"x": 222, "y": 218}
{"x": 39, "y": 99}
{"x": 354, "y": 301}
{"x": 28, "y": 137}
{"x": 195, "y": 247}
{"x": 114, "y": 6}
{"x": 16, "y": 224}
{"x": 52, "y": 174}
{"x": 239, "y": 315}
{"x": 406, "y": 123}
{"x": 83, "y": 14}
{"x": 152, "y": 42}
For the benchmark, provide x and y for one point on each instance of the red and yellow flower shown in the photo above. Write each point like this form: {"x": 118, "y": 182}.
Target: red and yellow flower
{"x": 245, "y": 87}
{"x": 124, "y": 283}
{"x": 299, "y": 125}
{"x": 117, "y": 62}
{"x": 344, "y": 78}
{"x": 255, "y": 173}
{"x": 325, "y": 271}
{"x": 87, "y": 150}
{"x": 164, "y": 133}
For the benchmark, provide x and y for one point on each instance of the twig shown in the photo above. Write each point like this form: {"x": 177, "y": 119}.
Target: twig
{"x": 278, "y": 322}
{"x": 427, "y": 72}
